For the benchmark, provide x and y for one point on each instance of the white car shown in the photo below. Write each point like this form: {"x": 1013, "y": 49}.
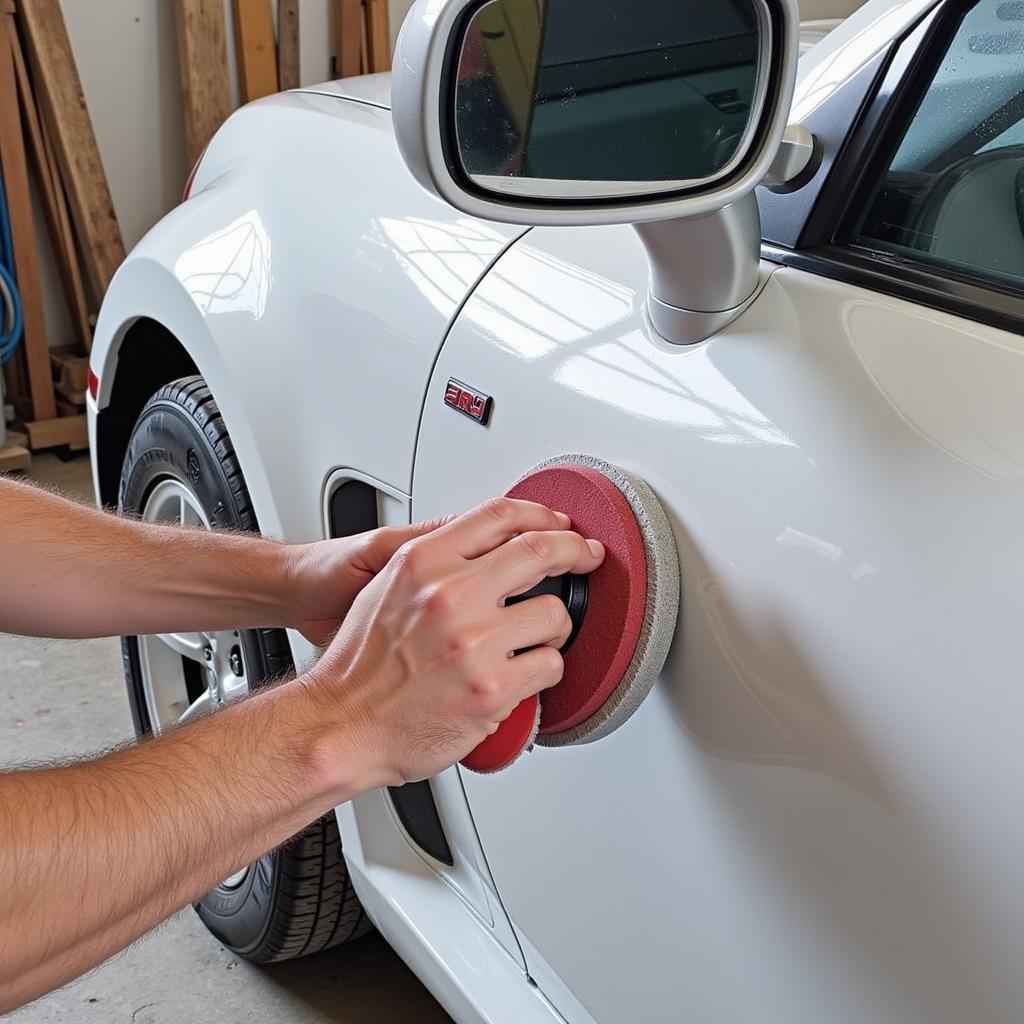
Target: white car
{"x": 816, "y": 814}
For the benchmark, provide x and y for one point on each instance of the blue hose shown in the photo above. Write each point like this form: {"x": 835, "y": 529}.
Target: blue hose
{"x": 10, "y": 299}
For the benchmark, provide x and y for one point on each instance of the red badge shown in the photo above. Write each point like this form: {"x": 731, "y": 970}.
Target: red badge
{"x": 468, "y": 401}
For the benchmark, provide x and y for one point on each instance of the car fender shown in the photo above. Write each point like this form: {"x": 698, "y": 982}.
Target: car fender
{"x": 312, "y": 283}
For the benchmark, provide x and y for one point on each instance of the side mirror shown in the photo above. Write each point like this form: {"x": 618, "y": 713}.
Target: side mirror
{"x": 560, "y": 112}
{"x": 593, "y": 111}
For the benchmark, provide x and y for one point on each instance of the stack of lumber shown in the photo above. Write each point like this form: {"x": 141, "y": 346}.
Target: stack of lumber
{"x": 267, "y": 61}
{"x": 14, "y": 455}
{"x": 362, "y": 37}
{"x": 46, "y": 136}
{"x": 47, "y": 143}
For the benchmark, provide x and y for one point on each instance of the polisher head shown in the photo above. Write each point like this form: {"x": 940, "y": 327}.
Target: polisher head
{"x": 631, "y": 614}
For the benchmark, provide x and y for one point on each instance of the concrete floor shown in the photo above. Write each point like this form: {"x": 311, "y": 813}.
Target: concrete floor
{"x": 61, "y": 698}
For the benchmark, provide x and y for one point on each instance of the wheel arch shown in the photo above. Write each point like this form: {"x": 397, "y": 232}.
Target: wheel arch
{"x": 149, "y": 356}
{"x": 151, "y": 332}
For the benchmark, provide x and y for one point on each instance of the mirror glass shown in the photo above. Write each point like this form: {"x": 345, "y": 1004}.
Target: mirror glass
{"x": 592, "y": 99}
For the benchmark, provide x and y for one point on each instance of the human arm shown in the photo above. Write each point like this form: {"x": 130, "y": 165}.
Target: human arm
{"x": 420, "y": 671}
{"x": 72, "y": 571}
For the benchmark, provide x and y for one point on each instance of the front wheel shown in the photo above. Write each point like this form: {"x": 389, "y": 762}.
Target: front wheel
{"x": 180, "y": 468}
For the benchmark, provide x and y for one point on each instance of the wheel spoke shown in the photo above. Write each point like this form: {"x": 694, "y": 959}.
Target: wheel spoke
{"x": 188, "y": 645}
{"x": 200, "y": 707}
{"x": 232, "y": 687}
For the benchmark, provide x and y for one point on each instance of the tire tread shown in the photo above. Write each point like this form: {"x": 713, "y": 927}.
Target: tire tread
{"x": 314, "y": 904}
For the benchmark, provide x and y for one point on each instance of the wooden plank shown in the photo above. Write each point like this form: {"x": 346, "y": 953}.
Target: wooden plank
{"x": 348, "y": 37}
{"x": 255, "y": 49}
{"x": 16, "y": 383}
{"x": 288, "y": 44}
{"x": 23, "y": 232}
{"x": 15, "y": 458}
{"x": 77, "y": 301}
{"x": 364, "y": 46}
{"x": 55, "y": 432}
{"x": 59, "y": 91}
{"x": 203, "y": 60}
{"x": 72, "y": 373}
{"x": 54, "y": 203}
{"x": 64, "y": 393}
{"x": 379, "y": 34}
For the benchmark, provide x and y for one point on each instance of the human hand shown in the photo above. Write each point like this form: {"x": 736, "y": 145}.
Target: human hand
{"x": 423, "y": 666}
{"x": 324, "y": 578}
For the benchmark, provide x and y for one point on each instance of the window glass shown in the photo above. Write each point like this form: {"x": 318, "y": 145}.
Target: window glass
{"x": 953, "y": 194}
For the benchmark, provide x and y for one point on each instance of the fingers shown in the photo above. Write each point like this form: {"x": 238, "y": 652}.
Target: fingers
{"x": 378, "y": 547}
{"x": 525, "y": 561}
{"x": 532, "y": 672}
{"x": 541, "y": 620}
{"x": 391, "y": 538}
{"x": 491, "y": 524}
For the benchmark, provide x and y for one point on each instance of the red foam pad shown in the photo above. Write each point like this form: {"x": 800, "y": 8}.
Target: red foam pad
{"x": 501, "y": 748}
{"x": 597, "y": 661}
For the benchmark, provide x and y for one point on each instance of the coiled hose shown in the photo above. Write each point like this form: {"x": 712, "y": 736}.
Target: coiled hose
{"x": 13, "y": 317}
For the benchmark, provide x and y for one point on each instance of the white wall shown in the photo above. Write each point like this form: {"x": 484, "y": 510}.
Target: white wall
{"x": 127, "y": 58}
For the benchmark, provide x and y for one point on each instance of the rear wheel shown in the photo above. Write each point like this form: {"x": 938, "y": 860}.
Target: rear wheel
{"x": 180, "y": 468}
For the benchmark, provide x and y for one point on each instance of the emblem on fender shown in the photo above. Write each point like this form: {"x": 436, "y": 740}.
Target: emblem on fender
{"x": 468, "y": 401}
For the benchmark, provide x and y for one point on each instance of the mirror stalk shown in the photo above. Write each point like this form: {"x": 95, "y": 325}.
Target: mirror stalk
{"x": 704, "y": 270}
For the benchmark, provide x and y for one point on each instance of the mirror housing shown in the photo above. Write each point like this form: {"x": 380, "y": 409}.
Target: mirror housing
{"x": 423, "y": 85}
{"x": 687, "y": 226}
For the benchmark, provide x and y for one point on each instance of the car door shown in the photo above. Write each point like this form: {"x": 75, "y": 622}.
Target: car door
{"x": 812, "y": 817}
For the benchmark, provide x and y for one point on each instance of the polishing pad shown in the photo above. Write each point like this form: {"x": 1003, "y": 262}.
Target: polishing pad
{"x": 631, "y": 614}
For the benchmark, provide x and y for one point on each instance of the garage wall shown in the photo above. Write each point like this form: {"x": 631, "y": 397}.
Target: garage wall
{"x": 127, "y": 57}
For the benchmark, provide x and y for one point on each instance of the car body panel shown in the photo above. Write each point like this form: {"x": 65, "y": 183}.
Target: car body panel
{"x": 314, "y": 318}
{"x": 372, "y": 89}
{"x": 809, "y": 817}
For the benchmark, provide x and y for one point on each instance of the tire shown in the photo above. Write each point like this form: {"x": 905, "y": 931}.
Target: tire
{"x": 299, "y": 898}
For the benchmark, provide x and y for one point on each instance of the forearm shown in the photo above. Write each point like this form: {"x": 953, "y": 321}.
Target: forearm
{"x": 96, "y": 854}
{"x": 70, "y": 571}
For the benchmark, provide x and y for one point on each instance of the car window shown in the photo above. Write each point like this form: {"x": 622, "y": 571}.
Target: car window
{"x": 953, "y": 193}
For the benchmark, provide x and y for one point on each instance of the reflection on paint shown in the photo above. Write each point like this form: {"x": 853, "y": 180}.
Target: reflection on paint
{"x": 563, "y": 304}
{"x": 772, "y": 706}
{"x": 791, "y": 538}
{"x": 443, "y": 259}
{"x": 826, "y": 76}
{"x": 229, "y": 271}
{"x": 959, "y": 389}
{"x": 627, "y": 374}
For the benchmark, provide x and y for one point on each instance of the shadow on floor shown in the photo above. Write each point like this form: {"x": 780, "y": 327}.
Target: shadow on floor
{"x": 365, "y": 981}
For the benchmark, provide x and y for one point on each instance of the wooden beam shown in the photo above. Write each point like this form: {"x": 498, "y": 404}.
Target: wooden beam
{"x": 379, "y": 34}
{"x": 59, "y": 90}
{"x": 15, "y": 458}
{"x": 288, "y": 44}
{"x": 23, "y": 230}
{"x": 255, "y": 49}
{"x": 71, "y": 371}
{"x": 54, "y": 204}
{"x": 79, "y": 301}
{"x": 348, "y": 37}
{"x": 203, "y": 59}
{"x": 56, "y": 432}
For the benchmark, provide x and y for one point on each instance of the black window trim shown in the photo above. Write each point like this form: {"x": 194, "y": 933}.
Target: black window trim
{"x": 821, "y": 247}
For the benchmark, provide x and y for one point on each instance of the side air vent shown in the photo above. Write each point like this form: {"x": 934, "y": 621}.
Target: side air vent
{"x": 352, "y": 508}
